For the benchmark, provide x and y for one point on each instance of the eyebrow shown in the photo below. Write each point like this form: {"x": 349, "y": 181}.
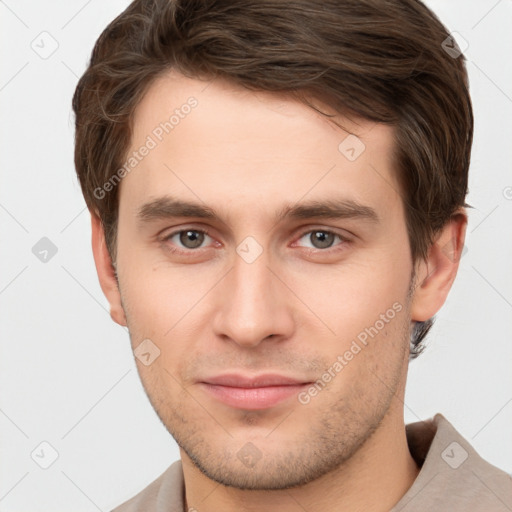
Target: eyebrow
{"x": 342, "y": 208}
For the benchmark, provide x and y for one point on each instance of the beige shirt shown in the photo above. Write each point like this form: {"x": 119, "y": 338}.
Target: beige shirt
{"x": 453, "y": 478}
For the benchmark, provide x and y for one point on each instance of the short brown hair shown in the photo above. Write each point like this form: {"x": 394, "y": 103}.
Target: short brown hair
{"x": 382, "y": 60}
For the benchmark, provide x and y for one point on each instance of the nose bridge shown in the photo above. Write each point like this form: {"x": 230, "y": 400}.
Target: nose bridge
{"x": 252, "y": 284}
{"x": 252, "y": 303}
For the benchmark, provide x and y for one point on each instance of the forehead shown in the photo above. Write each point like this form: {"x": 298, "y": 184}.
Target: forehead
{"x": 223, "y": 103}
{"x": 219, "y": 142}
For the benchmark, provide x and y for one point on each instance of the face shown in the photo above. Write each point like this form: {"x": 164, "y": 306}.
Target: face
{"x": 269, "y": 266}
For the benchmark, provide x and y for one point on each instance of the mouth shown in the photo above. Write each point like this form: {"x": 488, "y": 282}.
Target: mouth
{"x": 252, "y": 392}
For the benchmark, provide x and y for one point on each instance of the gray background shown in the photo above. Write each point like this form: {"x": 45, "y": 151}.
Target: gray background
{"x": 67, "y": 376}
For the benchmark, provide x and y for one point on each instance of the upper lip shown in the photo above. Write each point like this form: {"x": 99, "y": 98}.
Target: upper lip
{"x": 256, "y": 381}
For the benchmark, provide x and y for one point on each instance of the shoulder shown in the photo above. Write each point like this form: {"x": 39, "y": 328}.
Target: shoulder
{"x": 453, "y": 476}
{"x": 163, "y": 494}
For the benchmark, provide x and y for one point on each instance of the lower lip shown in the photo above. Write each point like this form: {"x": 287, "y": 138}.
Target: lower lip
{"x": 253, "y": 398}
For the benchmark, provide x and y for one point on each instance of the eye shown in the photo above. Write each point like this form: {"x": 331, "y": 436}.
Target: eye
{"x": 188, "y": 238}
{"x": 321, "y": 239}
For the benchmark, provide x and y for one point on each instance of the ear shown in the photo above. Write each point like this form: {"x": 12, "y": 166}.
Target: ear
{"x": 435, "y": 275}
{"x": 106, "y": 271}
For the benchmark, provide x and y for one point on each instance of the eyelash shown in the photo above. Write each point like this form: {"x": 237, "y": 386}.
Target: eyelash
{"x": 344, "y": 240}
{"x": 168, "y": 237}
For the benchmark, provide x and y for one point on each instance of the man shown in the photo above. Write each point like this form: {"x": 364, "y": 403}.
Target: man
{"x": 277, "y": 200}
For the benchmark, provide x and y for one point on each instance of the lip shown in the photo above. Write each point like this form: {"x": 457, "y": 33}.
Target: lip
{"x": 252, "y": 392}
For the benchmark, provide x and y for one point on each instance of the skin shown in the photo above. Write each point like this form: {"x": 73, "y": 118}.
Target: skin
{"x": 292, "y": 311}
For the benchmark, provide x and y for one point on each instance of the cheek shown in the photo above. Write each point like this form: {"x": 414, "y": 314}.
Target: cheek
{"x": 164, "y": 304}
{"x": 159, "y": 293}
{"x": 351, "y": 297}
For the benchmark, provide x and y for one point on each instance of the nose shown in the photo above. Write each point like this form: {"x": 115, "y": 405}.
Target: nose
{"x": 253, "y": 305}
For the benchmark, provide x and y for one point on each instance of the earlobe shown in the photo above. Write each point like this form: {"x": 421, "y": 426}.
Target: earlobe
{"x": 436, "y": 274}
{"x": 106, "y": 271}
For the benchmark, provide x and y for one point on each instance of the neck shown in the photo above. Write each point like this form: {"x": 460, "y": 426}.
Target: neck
{"x": 373, "y": 479}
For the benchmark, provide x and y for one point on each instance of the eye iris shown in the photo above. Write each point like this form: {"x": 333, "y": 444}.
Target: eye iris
{"x": 191, "y": 239}
{"x": 322, "y": 239}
